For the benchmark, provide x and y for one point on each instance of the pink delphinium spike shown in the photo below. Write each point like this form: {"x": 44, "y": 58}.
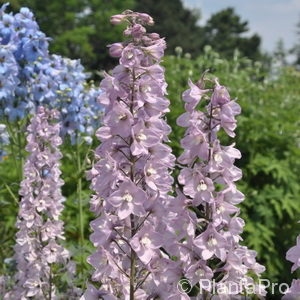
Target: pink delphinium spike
{"x": 212, "y": 249}
{"x": 293, "y": 255}
{"x": 37, "y": 247}
{"x": 131, "y": 176}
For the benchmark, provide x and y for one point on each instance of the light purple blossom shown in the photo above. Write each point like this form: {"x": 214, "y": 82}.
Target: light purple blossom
{"x": 131, "y": 175}
{"x": 209, "y": 196}
{"x": 293, "y": 293}
{"x": 37, "y": 246}
{"x": 293, "y": 255}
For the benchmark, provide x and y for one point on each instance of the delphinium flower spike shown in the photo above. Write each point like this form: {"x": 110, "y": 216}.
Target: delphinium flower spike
{"x": 293, "y": 255}
{"x": 131, "y": 177}
{"x": 38, "y": 251}
{"x": 211, "y": 250}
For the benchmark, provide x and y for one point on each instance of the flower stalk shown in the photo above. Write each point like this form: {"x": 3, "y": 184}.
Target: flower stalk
{"x": 37, "y": 247}
{"x": 211, "y": 249}
{"x": 131, "y": 175}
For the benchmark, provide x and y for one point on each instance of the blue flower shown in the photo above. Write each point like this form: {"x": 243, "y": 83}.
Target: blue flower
{"x": 30, "y": 76}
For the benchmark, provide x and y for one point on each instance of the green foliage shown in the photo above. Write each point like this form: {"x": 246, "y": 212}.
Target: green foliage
{"x": 268, "y": 136}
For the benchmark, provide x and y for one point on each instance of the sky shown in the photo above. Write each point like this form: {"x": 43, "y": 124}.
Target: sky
{"x": 271, "y": 19}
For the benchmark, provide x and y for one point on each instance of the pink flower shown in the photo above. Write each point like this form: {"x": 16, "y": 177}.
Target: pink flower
{"x": 115, "y": 50}
{"x": 293, "y": 293}
{"x": 143, "y": 138}
{"x": 220, "y": 95}
{"x": 196, "y": 143}
{"x": 37, "y": 241}
{"x": 117, "y": 19}
{"x": 93, "y": 294}
{"x": 128, "y": 199}
{"x": 207, "y": 181}
{"x": 211, "y": 243}
{"x": 119, "y": 121}
{"x": 131, "y": 56}
{"x": 193, "y": 96}
{"x": 293, "y": 255}
{"x": 155, "y": 51}
{"x": 131, "y": 176}
{"x": 145, "y": 242}
{"x": 198, "y": 271}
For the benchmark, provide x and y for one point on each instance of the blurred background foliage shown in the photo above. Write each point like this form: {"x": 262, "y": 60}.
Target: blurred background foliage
{"x": 268, "y": 135}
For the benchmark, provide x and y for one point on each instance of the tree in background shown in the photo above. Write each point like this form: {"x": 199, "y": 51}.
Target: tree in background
{"x": 176, "y": 23}
{"x": 225, "y": 30}
{"x": 280, "y": 53}
{"x": 296, "y": 49}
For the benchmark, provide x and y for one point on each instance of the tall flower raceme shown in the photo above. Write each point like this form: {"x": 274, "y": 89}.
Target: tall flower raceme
{"x": 131, "y": 177}
{"x": 30, "y": 76}
{"x": 38, "y": 253}
{"x": 211, "y": 250}
{"x": 293, "y": 255}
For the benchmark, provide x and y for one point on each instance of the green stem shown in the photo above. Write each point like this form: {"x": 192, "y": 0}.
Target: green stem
{"x": 11, "y": 193}
{"x": 11, "y": 144}
{"x": 132, "y": 263}
{"x": 132, "y": 223}
{"x": 205, "y": 295}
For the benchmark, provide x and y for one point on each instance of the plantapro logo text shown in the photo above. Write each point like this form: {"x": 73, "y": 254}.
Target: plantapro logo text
{"x": 234, "y": 288}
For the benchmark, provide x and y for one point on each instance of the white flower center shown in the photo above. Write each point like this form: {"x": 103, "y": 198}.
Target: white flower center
{"x": 216, "y": 112}
{"x": 212, "y": 242}
{"x": 151, "y": 171}
{"x": 127, "y": 197}
{"x": 129, "y": 54}
{"x": 103, "y": 261}
{"x": 201, "y": 186}
{"x": 218, "y": 158}
{"x": 198, "y": 140}
{"x": 122, "y": 117}
{"x": 146, "y": 89}
{"x": 200, "y": 273}
{"x": 220, "y": 209}
{"x": 53, "y": 250}
{"x": 145, "y": 241}
{"x": 141, "y": 137}
{"x": 222, "y": 92}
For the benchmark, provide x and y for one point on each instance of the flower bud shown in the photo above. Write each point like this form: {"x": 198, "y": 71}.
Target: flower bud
{"x": 117, "y": 19}
{"x": 115, "y": 50}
